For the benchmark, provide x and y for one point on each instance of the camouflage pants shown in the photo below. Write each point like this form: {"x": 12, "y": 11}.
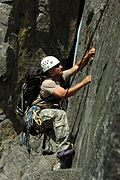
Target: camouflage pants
{"x": 59, "y": 120}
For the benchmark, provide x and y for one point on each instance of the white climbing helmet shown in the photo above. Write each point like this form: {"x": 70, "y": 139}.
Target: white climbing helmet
{"x": 49, "y": 62}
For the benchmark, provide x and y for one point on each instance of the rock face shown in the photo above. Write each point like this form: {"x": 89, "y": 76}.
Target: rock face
{"x": 97, "y": 112}
{"x": 30, "y": 30}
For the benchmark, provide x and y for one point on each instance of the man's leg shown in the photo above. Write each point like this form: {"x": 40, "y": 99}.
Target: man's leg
{"x": 60, "y": 124}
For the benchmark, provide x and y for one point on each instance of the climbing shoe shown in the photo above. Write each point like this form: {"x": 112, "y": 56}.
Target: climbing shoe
{"x": 65, "y": 153}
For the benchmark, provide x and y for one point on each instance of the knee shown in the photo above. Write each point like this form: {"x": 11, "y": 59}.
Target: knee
{"x": 62, "y": 113}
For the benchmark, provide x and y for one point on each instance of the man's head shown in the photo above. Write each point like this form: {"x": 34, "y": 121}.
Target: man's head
{"x": 51, "y": 65}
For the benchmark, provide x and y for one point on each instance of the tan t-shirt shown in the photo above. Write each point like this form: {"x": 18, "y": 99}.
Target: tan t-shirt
{"x": 45, "y": 97}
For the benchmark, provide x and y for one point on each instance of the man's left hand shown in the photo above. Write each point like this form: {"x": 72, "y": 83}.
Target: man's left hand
{"x": 91, "y": 53}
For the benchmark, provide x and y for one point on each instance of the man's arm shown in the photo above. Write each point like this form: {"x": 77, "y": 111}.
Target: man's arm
{"x": 65, "y": 93}
{"x": 82, "y": 63}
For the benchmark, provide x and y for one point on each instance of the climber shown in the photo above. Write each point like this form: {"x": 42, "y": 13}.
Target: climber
{"x": 53, "y": 91}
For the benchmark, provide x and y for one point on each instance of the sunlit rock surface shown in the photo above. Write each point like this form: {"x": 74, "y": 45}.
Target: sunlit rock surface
{"x": 30, "y": 30}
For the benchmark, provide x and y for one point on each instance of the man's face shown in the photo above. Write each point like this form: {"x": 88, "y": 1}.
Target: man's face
{"x": 58, "y": 69}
